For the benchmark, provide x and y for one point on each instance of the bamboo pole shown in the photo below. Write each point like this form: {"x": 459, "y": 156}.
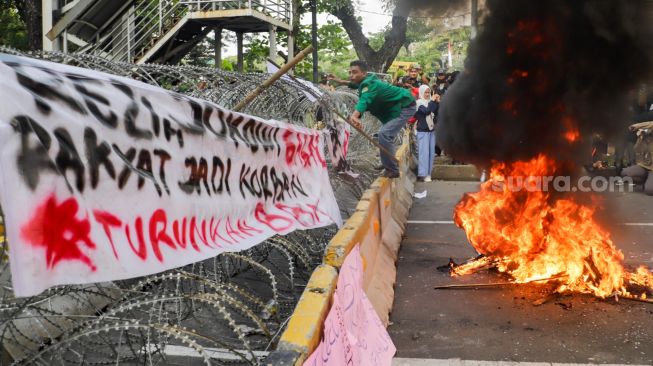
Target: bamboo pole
{"x": 266, "y": 84}
{"x": 360, "y": 130}
{"x": 464, "y": 286}
{"x": 634, "y": 298}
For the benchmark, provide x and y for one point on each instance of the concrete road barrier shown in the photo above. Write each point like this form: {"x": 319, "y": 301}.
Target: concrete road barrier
{"x": 377, "y": 226}
{"x": 456, "y": 172}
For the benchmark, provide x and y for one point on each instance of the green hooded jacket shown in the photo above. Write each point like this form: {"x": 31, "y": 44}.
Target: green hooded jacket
{"x": 383, "y": 100}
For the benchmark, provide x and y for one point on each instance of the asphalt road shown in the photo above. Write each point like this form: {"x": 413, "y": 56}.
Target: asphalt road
{"x": 503, "y": 324}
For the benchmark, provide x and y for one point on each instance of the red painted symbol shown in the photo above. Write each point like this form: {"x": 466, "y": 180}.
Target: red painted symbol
{"x": 278, "y": 223}
{"x": 56, "y": 228}
{"x": 302, "y": 150}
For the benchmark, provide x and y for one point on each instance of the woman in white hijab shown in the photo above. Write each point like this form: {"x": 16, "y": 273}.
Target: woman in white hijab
{"x": 427, "y": 108}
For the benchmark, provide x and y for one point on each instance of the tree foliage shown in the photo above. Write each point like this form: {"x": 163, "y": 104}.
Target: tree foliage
{"x": 12, "y": 28}
{"x": 417, "y": 30}
{"x": 431, "y": 53}
{"x": 256, "y": 51}
{"x": 381, "y": 58}
{"x": 333, "y": 44}
{"x": 29, "y": 12}
{"x": 201, "y": 54}
{"x": 333, "y": 39}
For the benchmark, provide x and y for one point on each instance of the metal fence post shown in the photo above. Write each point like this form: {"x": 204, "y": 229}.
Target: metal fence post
{"x": 129, "y": 37}
{"x": 160, "y": 17}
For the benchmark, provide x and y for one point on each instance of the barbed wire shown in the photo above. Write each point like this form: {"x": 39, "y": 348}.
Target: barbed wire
{"x": 225, "y": 310}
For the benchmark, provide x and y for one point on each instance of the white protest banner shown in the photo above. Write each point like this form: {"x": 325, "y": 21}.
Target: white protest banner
{"x": 337, "y": 146}
{"x": 353, "y": 333}
{"x": 338, "y": 131}
{"x": 105, "y": 178}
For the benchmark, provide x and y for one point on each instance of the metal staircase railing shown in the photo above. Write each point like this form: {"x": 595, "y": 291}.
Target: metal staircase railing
{"x": 137, "y": 31}
{"x": 279, "y": 9}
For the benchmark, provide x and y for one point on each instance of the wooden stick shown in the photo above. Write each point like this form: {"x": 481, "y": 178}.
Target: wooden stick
{"x": 463, "y": 286}
{"x": 360, "y": 130}
{"x": 634, "y": 298}
{"x": 368, "y": 137}
{"x": 283, "y": 70}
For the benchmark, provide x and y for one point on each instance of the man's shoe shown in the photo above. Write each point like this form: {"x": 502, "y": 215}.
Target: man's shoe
{"x": 427, "y": 179}
{"x": 389, "y": 174}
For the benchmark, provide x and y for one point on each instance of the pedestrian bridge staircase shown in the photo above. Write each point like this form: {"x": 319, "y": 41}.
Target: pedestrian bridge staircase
{"x": 161, "y": 31}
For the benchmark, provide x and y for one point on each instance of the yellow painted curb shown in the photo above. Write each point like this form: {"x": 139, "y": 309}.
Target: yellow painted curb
{"x": 345, "y": 239}
{"x": 305, "y": 325}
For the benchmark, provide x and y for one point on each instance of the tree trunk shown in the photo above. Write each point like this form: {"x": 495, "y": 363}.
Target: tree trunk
{"x": 378, "y": 61}
{"x": 298, "y": 10}
{"x": 30, "y": 13}
{"x": 474, "y": 18}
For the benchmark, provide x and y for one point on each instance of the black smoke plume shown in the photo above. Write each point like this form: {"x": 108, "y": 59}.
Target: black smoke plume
{"x": 541, "y": 73}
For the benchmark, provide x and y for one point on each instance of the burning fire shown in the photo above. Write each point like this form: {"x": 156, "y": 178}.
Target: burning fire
{"x": 572, "y": 134}
{"x": 532, "y": 235}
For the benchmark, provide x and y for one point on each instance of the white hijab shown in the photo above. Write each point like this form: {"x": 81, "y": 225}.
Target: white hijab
{"x": 424, "y": 101}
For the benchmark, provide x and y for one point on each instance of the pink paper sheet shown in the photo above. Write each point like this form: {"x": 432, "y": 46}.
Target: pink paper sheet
{"x": 353, "y": 332}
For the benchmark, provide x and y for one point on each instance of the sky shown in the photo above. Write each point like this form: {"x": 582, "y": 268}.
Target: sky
{"x": 370, "y": 10}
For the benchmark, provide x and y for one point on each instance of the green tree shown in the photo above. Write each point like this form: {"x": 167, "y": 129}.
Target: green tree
{"x": 376, "y": 39}
{"x": 228, "y": 65}
{"x": 417, "y": 30}
{"x": 257, "y": 49}
{"x": 332, "y": 38}
{"x": 29, "y": 12}
{"x": 12, "y": 28}
{"x": 200, "y": 55}
{"x": 381, "y": 58}
{"x": 333, "y": 44}
{"x": 431, "y": 52}
{"x": 203, "y": 53}
{"x": 380, "y": 50}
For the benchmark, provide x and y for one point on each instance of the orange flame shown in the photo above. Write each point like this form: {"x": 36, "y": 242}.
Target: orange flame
{"x": 532, "y": 235}
{"x": 572, "y": 134}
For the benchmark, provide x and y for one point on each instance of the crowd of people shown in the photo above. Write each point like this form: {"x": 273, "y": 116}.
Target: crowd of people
{"x": 634, "y": 149}
{"x": 416, "y": 77}
{"x": 411, "y": 99}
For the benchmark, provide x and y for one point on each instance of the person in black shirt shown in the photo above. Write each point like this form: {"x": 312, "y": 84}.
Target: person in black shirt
{"x": 441, "y": 85}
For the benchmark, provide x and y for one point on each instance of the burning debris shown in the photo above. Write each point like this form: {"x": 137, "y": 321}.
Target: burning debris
{"x": 533, "y": 235}
{"x": 540, "y": 78}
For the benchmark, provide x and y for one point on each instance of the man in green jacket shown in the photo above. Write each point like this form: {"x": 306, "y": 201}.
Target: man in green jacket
{"x": 393, "y": 106}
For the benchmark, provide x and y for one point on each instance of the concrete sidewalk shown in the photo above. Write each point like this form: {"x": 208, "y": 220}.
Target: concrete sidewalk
{"x": 503, "y": 324}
